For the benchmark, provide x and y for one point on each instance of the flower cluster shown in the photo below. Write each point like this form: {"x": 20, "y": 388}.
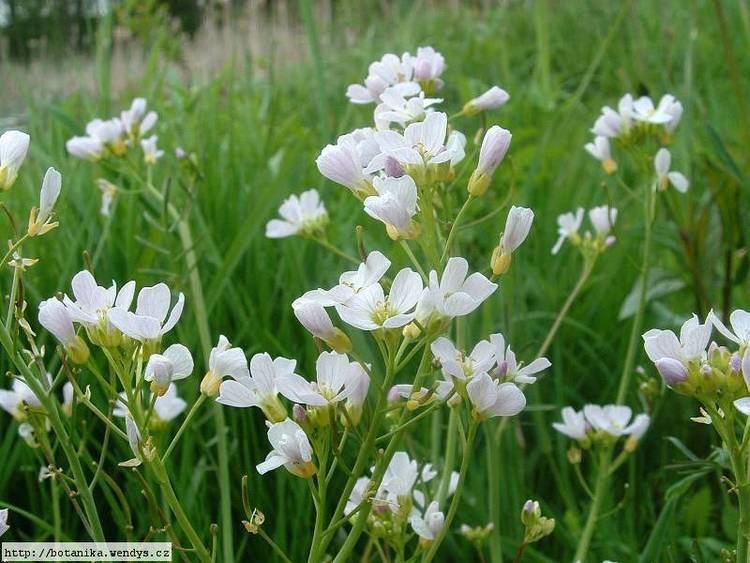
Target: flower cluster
{"x": 634, "y": 121}
{"x": 114, "y": 137}
{"x": 692, "y": 364}
{"x": 603, "y": 425}
{"x": 569, "y": 225}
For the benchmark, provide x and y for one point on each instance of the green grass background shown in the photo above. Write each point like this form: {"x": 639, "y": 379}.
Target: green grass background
{"x": 256, "y": 129}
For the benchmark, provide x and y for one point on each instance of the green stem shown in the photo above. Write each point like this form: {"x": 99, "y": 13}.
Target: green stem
{"x": 742, "y": 488}
{"x": 336, "y": 250}
{"x": 450, "y": 456}
{"x": 200, "y": 310}
{"x": 465, "y": 461}
{"x": 600, "y": 490}
{"x": 454, "y": 227}
{"x": 184, "y": 426}
{"x": 635, "y": 331}
{"x": 51, "y": 407}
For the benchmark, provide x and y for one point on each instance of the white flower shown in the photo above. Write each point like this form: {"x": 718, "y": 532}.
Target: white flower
{"x": 86, "y": 148}
{"x": 600, "y": 150}
{"x": 399, "y": 479}
{"x": 93, "y": 305}
{"x": 150, "y": 152}
{"x": 493, "y": 98}
{"x": 108, "y": 132}
{"x": 573, "y": 424}
{"x": 508, "y": 368}
{"x": 389, "y": 70}
{"x": 299, "y": 215}
{"x": 739, "y": 320}
{"x": 108, "y": 191}
{"x": 357, "y": 387}
{"x": 455, "y": 363}
{"x": 357, "y": 495}
{"x": 39, "y": 219}
{"x": 491, "y": 398}
{"x": 136, "y": 121}
{"x": 150, "y": 321}
{"x": 395, "y": 205}
{"x": 13, "y": 401}
{"x": 4, "y": 521}
{"x": 568, "y": 225}
{"x": 291, "y": 448}
{"x": 665, "y": 177}
{"x": 643, "y": 110}
{"x": 428, "y": 66}
{"x": 260, "y": 389}
{"x": 422, "y": 145}
{"x": 334, "y": 373}
{"x": 455, "y": 294}
{"x": 222, "y": 361}
{"x": 371, "y": 310}
{"x": 346, "y": 161}
{"x": 313, "y": 316}
{"x": 610, "y": 124}
{"x": 173, "y": 364}
{"x": 638, "y": 427}
{"x": 13, "y": 148}
{"x": 169, "y": 406}
{"x": 55, "y": 317}
{"x": 429, "y": 526}
{"x": 134, "y": 438}
{"x": 495, "y": 145}
{"x": 352, "y": 282}
{"x": 671, "y": 355}
{"x": 68, "y": 396}
{"x": 402, "y": 104}
{"x": 517, "y": 227}
{"x": 669, "y": 104}
{"x": 603, "y": 219}
{"x": 614, "y": 419}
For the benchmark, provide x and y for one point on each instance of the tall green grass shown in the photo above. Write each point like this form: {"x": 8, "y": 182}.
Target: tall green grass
{"x": 256, "y": 129}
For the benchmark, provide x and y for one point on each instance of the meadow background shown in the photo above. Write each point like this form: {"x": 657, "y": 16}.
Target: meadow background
{"x": 258, "y": 90}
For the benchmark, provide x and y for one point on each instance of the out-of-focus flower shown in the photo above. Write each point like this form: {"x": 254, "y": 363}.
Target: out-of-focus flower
{"x": 568, "y": 226}
{"x": 13, "y": 401}
{"x": 600, "y": 150}
{"x": 493, "y": 98}
{"x": 150, "y": 151}
{"x": 108, "y": 191}
{"x": 303, "y": 215}
{"x": 573, "y": 424}
{"x": 428, "y": 67}
{"x": 55, "y": 317}
{"x": 454, "y": 294}
{"x": 389, "y": 70}
{"x": 39, "y": 218}
{"x": 395, "y": 205}
{"x": 13, "y": 148}
{"x": 291, "y": 448}
{"x": 429, "y": 525}
{"x": 85, "y": 148}
{"x": 261, "y": 388}
{"x": 603, "y": 219}
{"x": 494, "y": 147}
{"x": 136, "y": 121}
{"x": 371, "y": 310}
{"x": 666, "y": 177}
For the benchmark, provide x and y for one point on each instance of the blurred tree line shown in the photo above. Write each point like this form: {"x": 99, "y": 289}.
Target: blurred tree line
{"x": 55, "y": 28}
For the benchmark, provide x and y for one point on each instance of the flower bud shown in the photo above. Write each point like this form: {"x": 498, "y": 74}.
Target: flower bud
{"x": 78, "y": 351}
{"x": 672, "y": 371}
{"x": 500, "y": 262}
{"x": 210, "y": 384}
{"x": 494, "y": 147}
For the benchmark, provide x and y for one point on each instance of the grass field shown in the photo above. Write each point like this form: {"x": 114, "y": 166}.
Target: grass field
{"x": 256, "y": 127}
